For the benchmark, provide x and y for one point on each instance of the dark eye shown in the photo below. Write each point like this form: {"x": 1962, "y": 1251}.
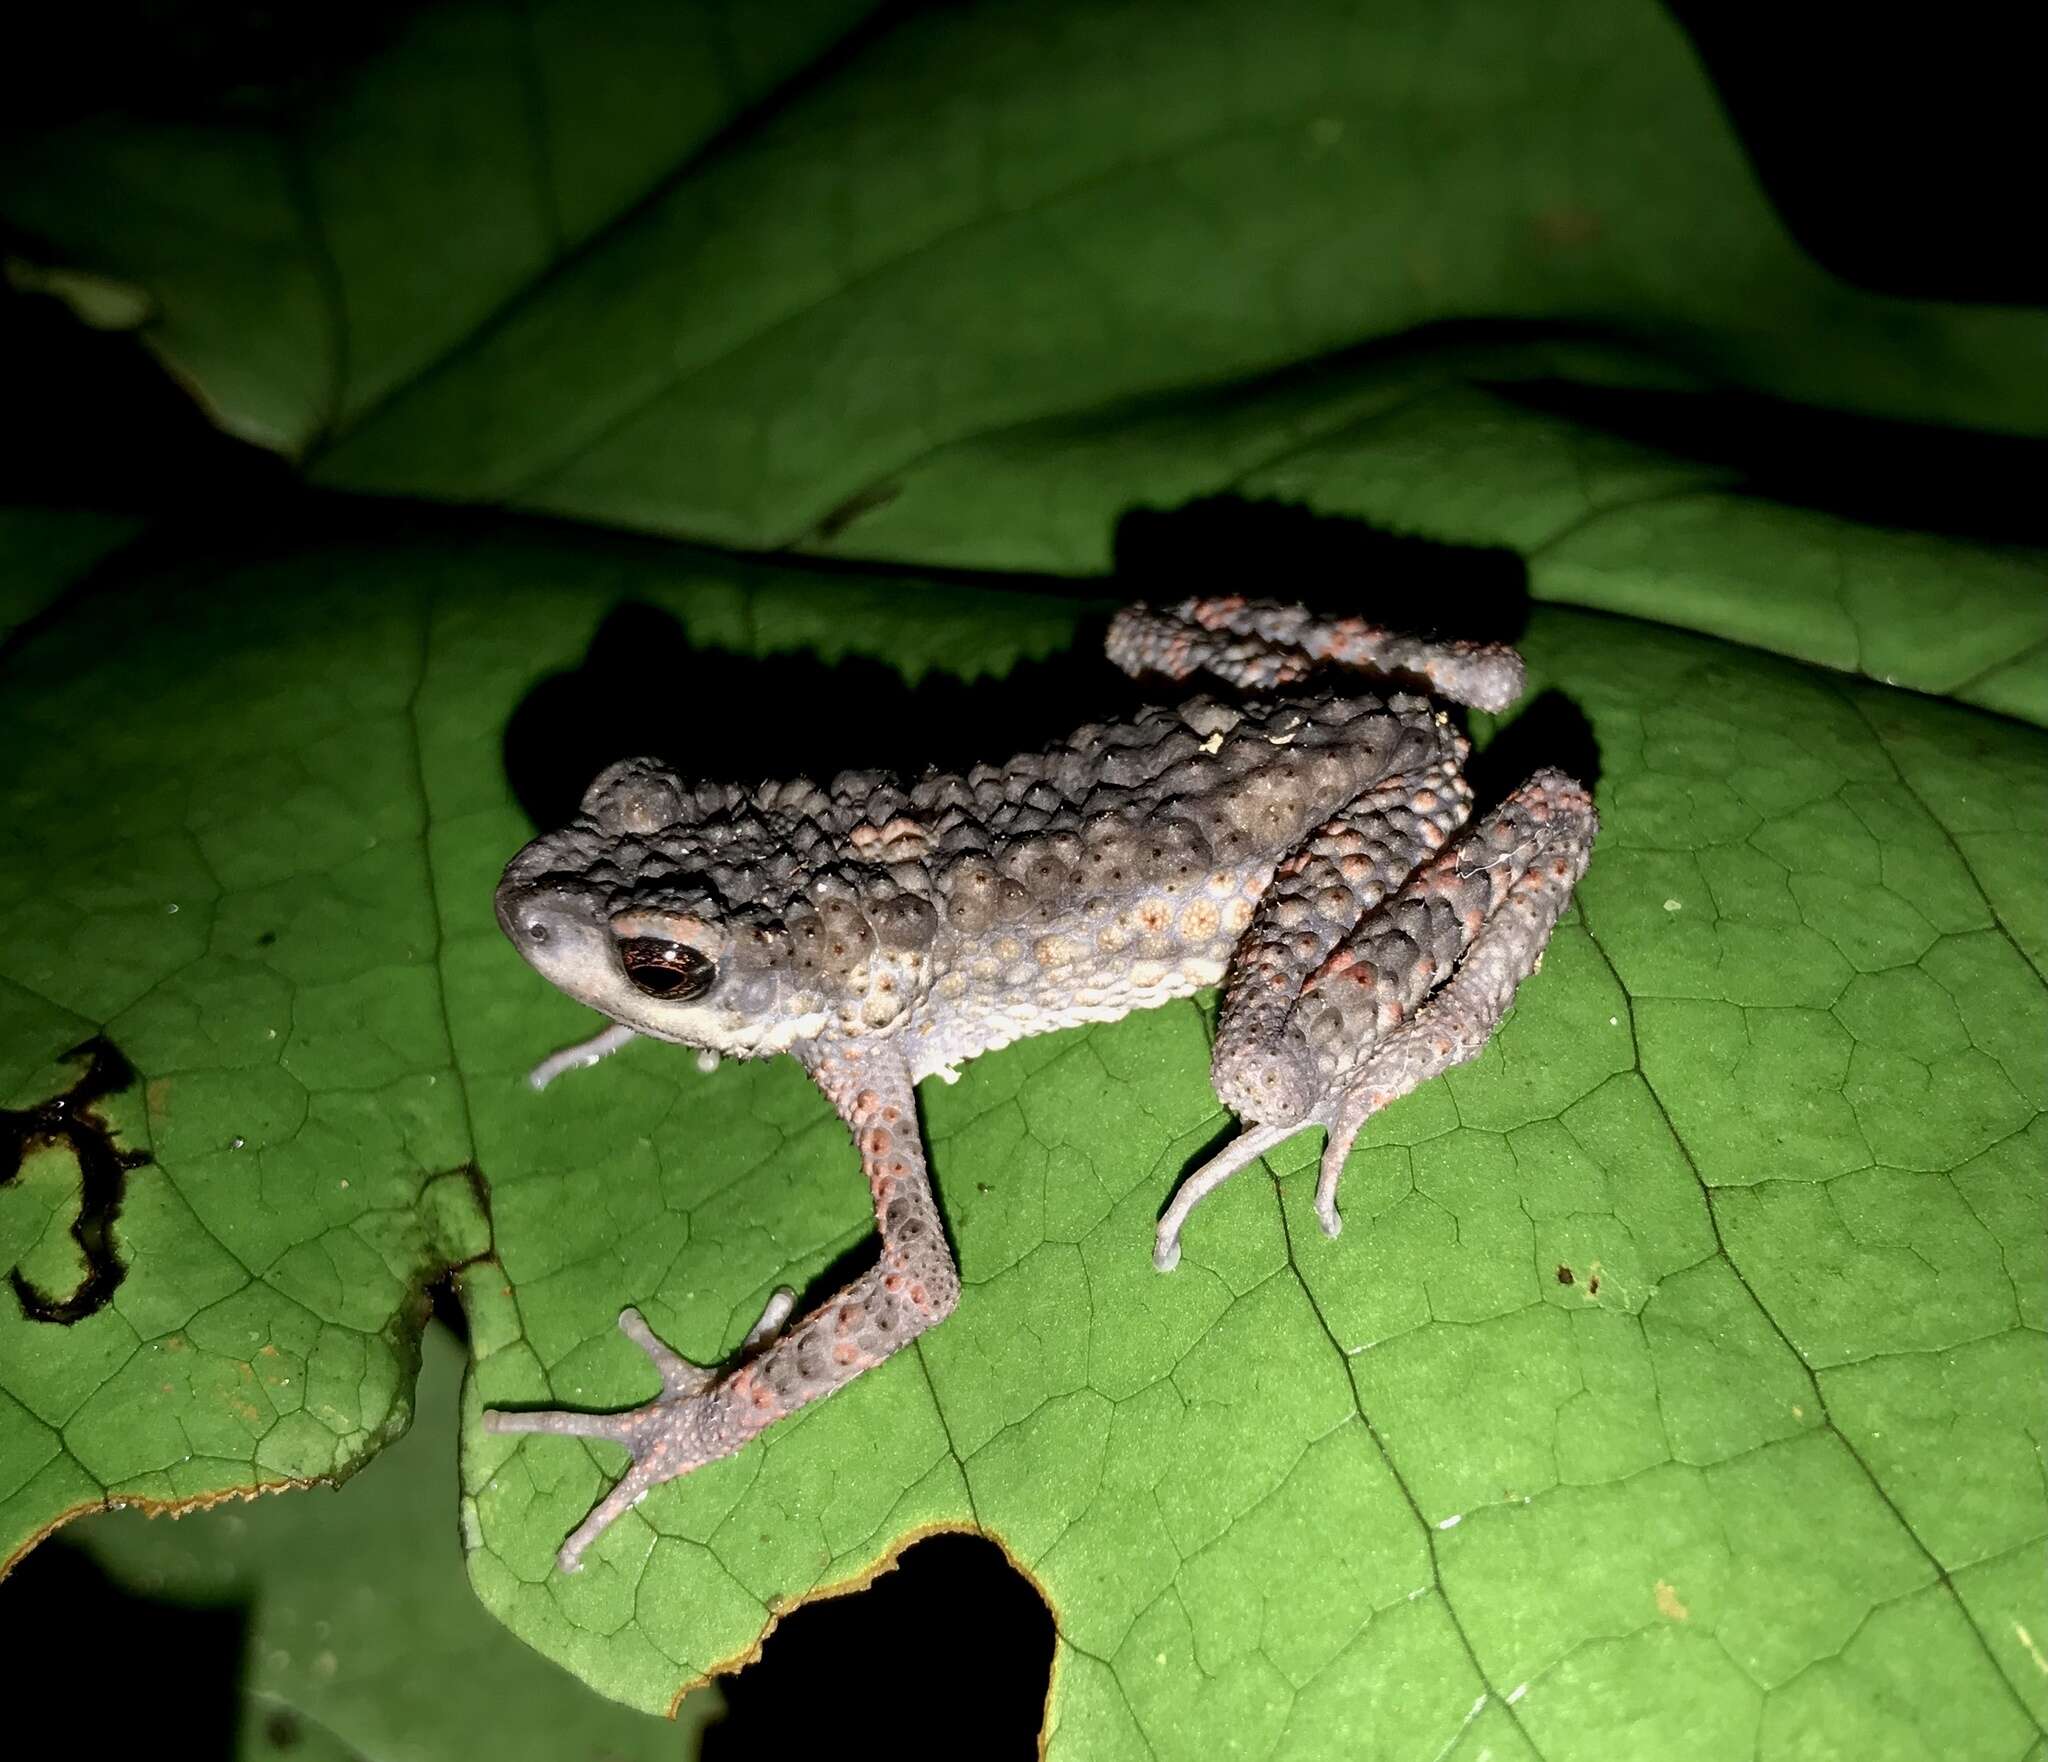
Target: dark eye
{"x": 666, "y": 969}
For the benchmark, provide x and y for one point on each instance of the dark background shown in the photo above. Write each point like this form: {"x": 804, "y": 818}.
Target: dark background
{"x": 1903, "y": 153}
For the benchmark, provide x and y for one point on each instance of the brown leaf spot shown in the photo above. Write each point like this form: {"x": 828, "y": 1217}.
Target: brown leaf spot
{"x": 1565, "y": 228}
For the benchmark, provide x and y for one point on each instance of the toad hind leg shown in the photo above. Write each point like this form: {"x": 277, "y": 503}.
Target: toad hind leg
{"x": 1259, "y": 644}
{"x": 703, "y": 1415}
{"x": 1418, "y": 986}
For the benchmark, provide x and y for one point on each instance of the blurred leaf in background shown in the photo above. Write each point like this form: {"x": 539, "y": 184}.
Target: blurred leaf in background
{"x": 1676, "y": 1386}
{"x": 312, "y": 1626}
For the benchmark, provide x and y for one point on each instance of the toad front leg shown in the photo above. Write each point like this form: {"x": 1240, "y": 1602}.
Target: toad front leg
{"x": 702, "y": 1414}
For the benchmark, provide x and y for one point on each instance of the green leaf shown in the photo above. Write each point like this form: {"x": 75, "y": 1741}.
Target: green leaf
{"x": 1675, "y": 1384}
{"x": 1762, "y": 1474}
{"x": 964, "y": 285}
{"x": 220, "y": 869}
{"x": 1468, "y": 445}
{"x": 356, "y": 1628}
{"x": 308, "y": 263}
{"x": 43, "y": 552}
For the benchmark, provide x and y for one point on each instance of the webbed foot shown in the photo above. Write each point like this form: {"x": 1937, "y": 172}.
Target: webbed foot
{"x": 690, "y": 1423}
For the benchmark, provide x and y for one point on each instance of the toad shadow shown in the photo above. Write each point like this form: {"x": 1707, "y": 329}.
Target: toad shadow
{"x": 644, "y": 690}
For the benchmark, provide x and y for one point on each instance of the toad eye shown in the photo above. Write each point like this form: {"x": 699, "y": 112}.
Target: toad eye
{"x": 672, "y": 970}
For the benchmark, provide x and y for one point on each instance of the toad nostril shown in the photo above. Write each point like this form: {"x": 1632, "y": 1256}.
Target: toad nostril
{"x": 541, "y": 921}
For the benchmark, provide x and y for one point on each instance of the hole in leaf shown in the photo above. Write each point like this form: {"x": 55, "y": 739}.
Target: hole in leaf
{"x": 954, "y": 1612}
{"x": 71, "y": 1120}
